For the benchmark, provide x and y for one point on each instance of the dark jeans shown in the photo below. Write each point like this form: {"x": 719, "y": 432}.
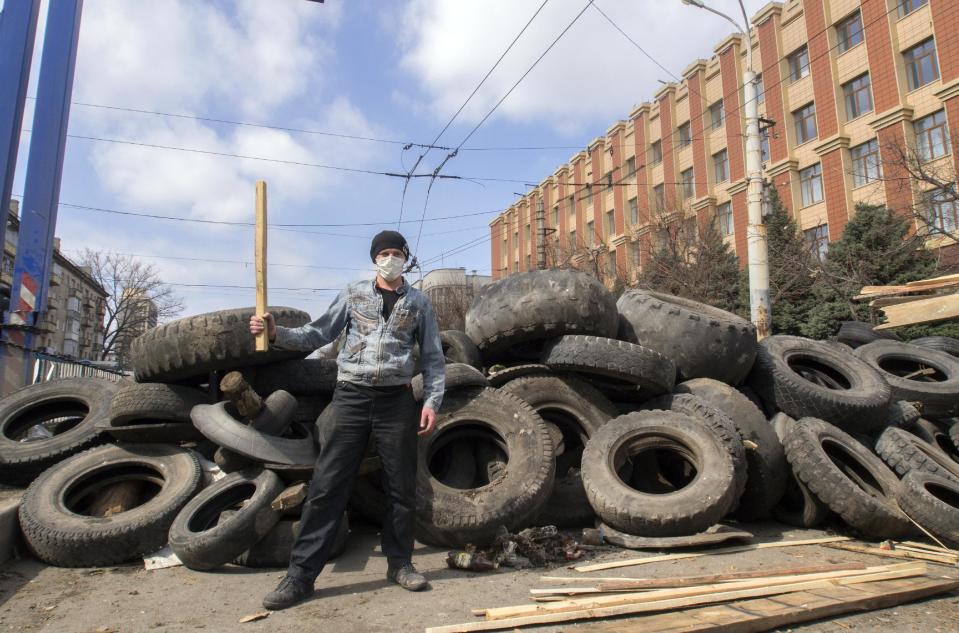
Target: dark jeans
{"x": 391, "y": 415}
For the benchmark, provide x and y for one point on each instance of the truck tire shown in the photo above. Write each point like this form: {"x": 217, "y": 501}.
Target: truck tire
{"x": 203, "y": 540}
{"x": 799, "y": 507}
{"x": 154, "y": 401}
{"x": 806, "y": 378}
{"x": 847, "y": 477}
{"x": 458, "y": 375}
{"x": 620, "y": 361}
{"x": 460, "y": 348}
{"x": 703, "y": 341}
{"x": 856, "y": 333}
{"x": 932, "y": 502}
{"x": 578, "y": 410}
{"x": 195, "y": 346}
{"x": 511, "y": 317}
{"x": 52, "y": 512}
{"x": 766, "y": 466}
{"x": 659, "y": 500}
{"x": 936, "y": 433}
{"x": 938, "y": 393}
{"x": 503, "y": 376}
{"x": 72, "y": 409}
{"x": 945, "y": 344}
{"x": 274, "y": 549}
{"x": 904, "y": 452}
{"x": 902, "y": 414}
{"x": 299, "y": 376}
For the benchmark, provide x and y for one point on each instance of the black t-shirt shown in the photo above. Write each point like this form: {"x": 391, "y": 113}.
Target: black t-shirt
{"x": 390, "y": 297}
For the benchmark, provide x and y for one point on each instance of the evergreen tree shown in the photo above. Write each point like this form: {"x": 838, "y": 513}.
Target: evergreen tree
{"x": 876, "y": 248}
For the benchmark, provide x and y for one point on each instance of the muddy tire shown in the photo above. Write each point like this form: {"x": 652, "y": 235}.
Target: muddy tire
{"x": 202, "y": 539}
{"x": 300, "y": 377}
{"x": 458, "y": 375}
{"x": 195, "y": 346}
{"x": 799, "y": 507}
{"x": 703, "y": 341}
{"x": 662, "y": 498}
{"x": 622, "y": 362}
{"x": 904, "y": 452}
{"x": 511, "y": 317}
{"x": 460, "y": 348}
{"x": 52, "y": 511}
{"x": 766, "y": 465}
{"x": 578, "y": 410}
{"x": 806, "y": 378}
{"x": 847, "y": 477}
{"x": 945, "y": 344}
{"x": 932, "y": 502}
{"x": 938, "y": 393}
{"x": 452, "y": 517}
{"x": 72, "y": 409}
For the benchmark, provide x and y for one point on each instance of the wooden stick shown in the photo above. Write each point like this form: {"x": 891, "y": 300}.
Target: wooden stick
{"x": 676, "y": 603}
{"x": 246, "y": 401}
{"x": 924, "y": 530}
{"x": 891, "y": 553}
{"x": 934, "y": 548}
{"x": 722, "y": 550}
{"x": 575, "y": 604}
{"x": 262, "y": 339}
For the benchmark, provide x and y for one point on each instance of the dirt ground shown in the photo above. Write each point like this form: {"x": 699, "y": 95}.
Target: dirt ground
{"x": 353, "y": 594}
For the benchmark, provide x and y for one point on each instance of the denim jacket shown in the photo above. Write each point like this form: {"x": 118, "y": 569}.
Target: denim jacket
{"x": 377, "y": 352}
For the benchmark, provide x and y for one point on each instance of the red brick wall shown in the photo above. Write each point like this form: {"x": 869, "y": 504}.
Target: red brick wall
{"x": 885, "y": 86}
{"x": 696, "y": 130}
{"x": 666, "y": 141}
{"x": 952, "y": 117}
{"x": 945, "y": 23}
{"x": 562, "y": 194}
{"x": 769, "y": 47}
{"x": 821, "y": 68}
{"x": 740, "y": 220}
{"x": 834, "y": 188}
{"x": 599, "y": 194}
{"x": 533, "y": 233}
{"x": 522, "y": 218}
{"x": 619, "y": 177}
{"x": 732, "y": 79}
{"x": 896, "y": 183}
{"x": 578, "y": 191}
{"x": 642, "y": 171}
{"x": 495, "y": 234}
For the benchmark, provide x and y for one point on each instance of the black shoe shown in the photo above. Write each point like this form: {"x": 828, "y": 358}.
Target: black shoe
{"x": 289, "y": 592}
{"x": 407, "y": 577}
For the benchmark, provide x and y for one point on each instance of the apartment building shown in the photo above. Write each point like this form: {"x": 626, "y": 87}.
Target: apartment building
{"x": 73, "y": 323}
{"x": 843, "y": 83}
{"x": 138, "y": 314}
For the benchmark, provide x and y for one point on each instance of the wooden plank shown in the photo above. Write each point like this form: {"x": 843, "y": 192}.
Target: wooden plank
{"x": 663, "y": 605}
{"x": 764, "y": 614}
{"x": 943, "y": 559}
{"x": 262, "y": 339}
{"x": 925, "y": 311}
{"x": 290, "y": 498}
{"x": 714, "y": 552}
{"x": 592, "y": 602}
{"x": 927, "y": 546}
{"x": 934, "y": 280}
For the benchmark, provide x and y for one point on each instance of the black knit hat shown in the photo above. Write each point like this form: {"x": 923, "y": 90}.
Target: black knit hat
{"x": 388, "y": 239}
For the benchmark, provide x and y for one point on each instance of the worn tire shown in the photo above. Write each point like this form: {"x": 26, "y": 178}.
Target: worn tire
{"x": 447, "y": 516}
{"x": 954, "y": 434}
{"x": 609, "y": 358}
{"x": 202, "y": 540}
{"x": 766, "y": 465}
{"x": 839, "y": 478}
{"x": 458, "y": 375}
{"x": 904, "y": 453}
{"x": 799, "y": 507}
{"x": 902, "y": 414}
{"x": 939, "y": 397}
{"x": 195, "y": 346}
{"x": 85, "y": 398}
{"x": 511, "y": 317}
{"x": 847, "y": 391}
{"x": 275, "y": 548}
{"x": 460, "y": 348}
{"x": 503, "y": 376}
{"x": 154, "y": 401}
{"x": 945, "y": 344}
{"x": 300, "y": 377}
{"x": 932, "y": 502}
{"x": 703, "y": 341}
{"x": 58, "y": 533}
{"x": 688, "y": 509}
{"x": 578, "y": 410}
{"x": 217, "y": 425}
{"x": 856, "y": 333}
{"x": 936, "y": 433}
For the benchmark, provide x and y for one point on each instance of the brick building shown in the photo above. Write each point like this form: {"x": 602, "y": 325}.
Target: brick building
{"x": 843, "y": 80}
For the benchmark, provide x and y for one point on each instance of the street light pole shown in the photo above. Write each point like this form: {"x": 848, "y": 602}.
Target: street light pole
{"x": 756, "y": 245}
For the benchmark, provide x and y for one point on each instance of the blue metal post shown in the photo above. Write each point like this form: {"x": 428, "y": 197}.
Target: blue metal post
{"x": 38, "y": 215}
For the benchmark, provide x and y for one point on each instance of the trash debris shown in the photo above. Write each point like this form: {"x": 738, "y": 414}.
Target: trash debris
{"x": 532, "y": 547}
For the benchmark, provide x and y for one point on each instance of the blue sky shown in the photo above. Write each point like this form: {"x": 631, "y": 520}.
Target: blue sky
{"x": 388, "y": 70}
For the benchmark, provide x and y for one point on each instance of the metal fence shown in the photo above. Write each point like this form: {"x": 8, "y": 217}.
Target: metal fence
{"x": 21, "y": 367}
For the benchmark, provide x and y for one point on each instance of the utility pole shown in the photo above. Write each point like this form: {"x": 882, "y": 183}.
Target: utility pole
{"x": 756, "y": 246}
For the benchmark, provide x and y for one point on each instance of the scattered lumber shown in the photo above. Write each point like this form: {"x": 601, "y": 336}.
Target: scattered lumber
{"x": 924, "y": 311}
{"x": 722, "y": 550}
{"x": 899, "y": 552}
{"x": 922, "y": 301}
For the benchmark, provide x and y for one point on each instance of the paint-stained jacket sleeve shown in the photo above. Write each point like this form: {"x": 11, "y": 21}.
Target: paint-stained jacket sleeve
{"x": 431, "y": 357}
{"x": 315, "y": 335}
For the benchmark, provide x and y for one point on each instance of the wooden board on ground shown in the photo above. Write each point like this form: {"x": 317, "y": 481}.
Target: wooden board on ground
{"x": 764, "y": 614}
{"x": 943, "y": 559}
{"x": 713, "y": 536}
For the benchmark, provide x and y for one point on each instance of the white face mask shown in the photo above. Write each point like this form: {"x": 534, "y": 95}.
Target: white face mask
{"x": 390, "y": 266}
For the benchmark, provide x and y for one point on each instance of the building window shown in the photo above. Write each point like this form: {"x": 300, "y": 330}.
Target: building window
{"x": 590, "y": 233}
{"x": 610, "y": 223}
{"x": 554, "y": 221}
{"x": 659, "y": 198}
{"x": 686, "y": 184}
{"x": 858, "y": 97}
{"x": 572, "y": 239}
{"x": 724, "y": 218}
{"x": 657, "y": 152}
{"x": 764, "y": 145}
{"x": 571, "y": 209}
{"x": 805, "y": 119}
{"x": 635, "y": 254}
{"x": 849, "y": 32}
{"x": 932, "y": 136}
{"x": 721, "y": 166}
{"x": 633, "y": 211}
{"x": 817, "y": 240}
{"x": 589, "y": 194}
{"x": 717, "y": 115}
{"x": 631, "y": 166}
{"x": 760, "y": 90}
{"x": 526, "y": 233}
{"x": 908, "y": 6}
{"x": 865, "y": 163}
{"x": 611, "y": 263}
{"x": 943, "y": 211}
{"x": 922, "y": 66}
{"x": 609, "y": 180}
{"x": 810, "y": 184}
{"x": 798, "y": 64}
{"x": 685, "y": 135}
